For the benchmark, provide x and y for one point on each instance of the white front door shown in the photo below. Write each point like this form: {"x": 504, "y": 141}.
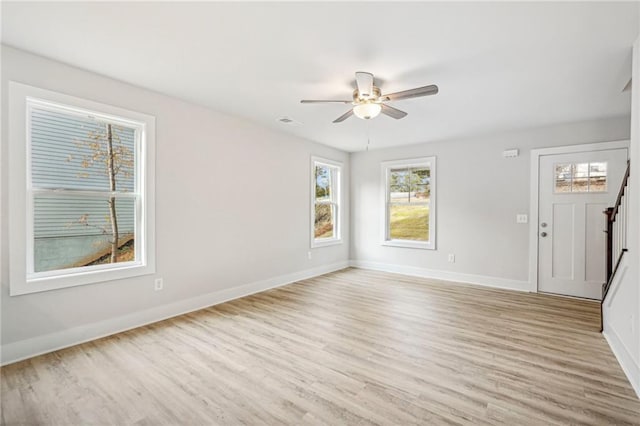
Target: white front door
{"x": 574, "y": 191}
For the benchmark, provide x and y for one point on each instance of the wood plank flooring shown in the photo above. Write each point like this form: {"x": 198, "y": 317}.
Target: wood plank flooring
{"x": 351, "y": 347}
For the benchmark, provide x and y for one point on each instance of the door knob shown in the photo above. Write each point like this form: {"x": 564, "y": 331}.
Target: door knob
{"x": 543, "y": 234}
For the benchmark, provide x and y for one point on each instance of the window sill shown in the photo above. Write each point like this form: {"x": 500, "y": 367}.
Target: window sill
{"x": 409, "y": 244}
{"x": 45, "y": 283}
{"x": 325, "y": 243}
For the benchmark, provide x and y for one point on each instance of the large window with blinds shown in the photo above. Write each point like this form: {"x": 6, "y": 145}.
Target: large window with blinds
{"x": 409, "y": 203}
{"x": 86, "y": 194}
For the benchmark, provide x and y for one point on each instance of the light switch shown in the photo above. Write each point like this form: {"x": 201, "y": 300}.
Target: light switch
{"x": 522, "y": 218}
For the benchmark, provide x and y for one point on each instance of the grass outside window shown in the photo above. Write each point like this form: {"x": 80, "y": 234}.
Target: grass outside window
{"x": 409, "y": 222}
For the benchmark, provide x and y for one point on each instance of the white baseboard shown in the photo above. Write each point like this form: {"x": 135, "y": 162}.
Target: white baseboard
{"x": 625, "y": 359}
{"x": 17, "y": 351}
{"x": 482, "y": 280}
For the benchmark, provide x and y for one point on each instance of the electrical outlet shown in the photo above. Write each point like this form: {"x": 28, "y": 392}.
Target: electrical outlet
{"x": 521, "y": 218}
{"x": 158, "y": 284}
{"x": 452, "y": 258}
{"x": 309, "y": 255}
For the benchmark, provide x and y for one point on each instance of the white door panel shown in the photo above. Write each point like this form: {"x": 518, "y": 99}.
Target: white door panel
{"x": 595, "y": 242}
{"x": 571, "y": 239}
{"x": 563, "y": 248}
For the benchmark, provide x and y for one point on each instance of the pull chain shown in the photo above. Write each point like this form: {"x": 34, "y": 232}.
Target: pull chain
{"x": 368, "y": 136}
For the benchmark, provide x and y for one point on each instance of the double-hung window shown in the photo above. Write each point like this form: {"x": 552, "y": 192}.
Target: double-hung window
{"x": 87, "y": 200}
{"x": 409, "y": 203}
{"x": 325, "y": 202}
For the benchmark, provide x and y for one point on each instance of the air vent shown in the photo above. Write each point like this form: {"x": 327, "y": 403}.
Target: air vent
{"x": 289, "y": 121}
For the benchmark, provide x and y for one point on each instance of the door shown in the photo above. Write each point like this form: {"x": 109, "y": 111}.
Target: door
{"x": 574, "y": 190}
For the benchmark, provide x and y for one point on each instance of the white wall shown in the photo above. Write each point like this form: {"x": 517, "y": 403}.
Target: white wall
{"x": 622, "y": 307}
{"x": 232, "y": 215}
{"x": 258, "y": 227}
{"x": 479, "y": 194}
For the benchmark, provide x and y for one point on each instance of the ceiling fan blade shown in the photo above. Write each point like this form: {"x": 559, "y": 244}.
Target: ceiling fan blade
{"x": 313, "y": 101}
{"x": 411, "y": 93}
{"x": 344, "y": 116}
{"x": 393, "y": 112}
{"x": 364, "y": 81}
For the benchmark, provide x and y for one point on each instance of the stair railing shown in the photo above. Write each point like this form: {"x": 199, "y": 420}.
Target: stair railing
{"x": 616, "y": 237}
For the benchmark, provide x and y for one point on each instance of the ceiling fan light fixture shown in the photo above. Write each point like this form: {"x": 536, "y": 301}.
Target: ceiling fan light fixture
{"x": 367, "y": 110}
{"x": 368, "y": 102}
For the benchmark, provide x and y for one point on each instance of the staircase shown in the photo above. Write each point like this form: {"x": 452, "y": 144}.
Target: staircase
{"x": 616, "y": 237}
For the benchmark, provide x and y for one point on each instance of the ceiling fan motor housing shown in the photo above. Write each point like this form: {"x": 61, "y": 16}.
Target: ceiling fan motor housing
{"x": 374, "y": 96}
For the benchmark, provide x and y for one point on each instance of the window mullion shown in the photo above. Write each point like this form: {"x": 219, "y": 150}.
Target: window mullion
{"x": 83, "y": 193}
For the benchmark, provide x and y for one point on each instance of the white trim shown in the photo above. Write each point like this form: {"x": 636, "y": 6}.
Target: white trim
{"x": 412, "y": 162}
{"x": 533, "y": 195}
{"x": 455, "y": 277}
{"x": 23, "y": 349}
{"x": 622, "y": 352}
{"x": 624, "y": 357}
{"x": 336, "y": 188}
{"x": 616, "y": 284}
{"x": 21, "y": 98}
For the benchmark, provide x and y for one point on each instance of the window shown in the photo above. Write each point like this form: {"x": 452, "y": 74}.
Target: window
{"x": 409, "y": 203}
{"x": 325, "y": 202}
{"x": 581, "y": 177}
{"x": 88, "y": 193}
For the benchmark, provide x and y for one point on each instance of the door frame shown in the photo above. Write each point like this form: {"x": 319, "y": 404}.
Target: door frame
{"x": 534, "y": 196}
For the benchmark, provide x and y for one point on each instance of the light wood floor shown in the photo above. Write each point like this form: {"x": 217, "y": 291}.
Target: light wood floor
{"x": 351, "y": 347}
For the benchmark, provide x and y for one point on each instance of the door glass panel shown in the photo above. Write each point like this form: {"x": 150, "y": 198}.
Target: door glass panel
{"x": 597, "y": 177}
{"x": 580, "y": 177}
{"x": 580, "y": 184}
{"x": 563, "y": 177}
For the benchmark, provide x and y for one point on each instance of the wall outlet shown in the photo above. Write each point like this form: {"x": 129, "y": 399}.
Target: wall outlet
{"x": 452, "y": 258}
{"x": 309, "y": 255}
{"x": 158, "y": 284}
{"x": 522, "y": 218}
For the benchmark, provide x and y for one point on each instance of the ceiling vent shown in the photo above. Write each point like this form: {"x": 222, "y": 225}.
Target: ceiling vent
{"x": 288, "y": 120}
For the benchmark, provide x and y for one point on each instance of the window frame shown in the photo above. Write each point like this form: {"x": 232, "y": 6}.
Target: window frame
{"x": 23, "y": 279}
{"x": 386, "y": 168}
{"x": 336, "y": 201}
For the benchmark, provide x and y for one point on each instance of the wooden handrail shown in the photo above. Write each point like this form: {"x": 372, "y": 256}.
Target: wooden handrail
{"x": 623, "y": 187}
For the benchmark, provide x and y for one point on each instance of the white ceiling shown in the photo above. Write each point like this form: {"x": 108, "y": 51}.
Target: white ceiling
{"x": 499, "y": 66}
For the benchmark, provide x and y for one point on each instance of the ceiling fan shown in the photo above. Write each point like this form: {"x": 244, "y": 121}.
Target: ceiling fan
{"x": 368, "y": 101}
